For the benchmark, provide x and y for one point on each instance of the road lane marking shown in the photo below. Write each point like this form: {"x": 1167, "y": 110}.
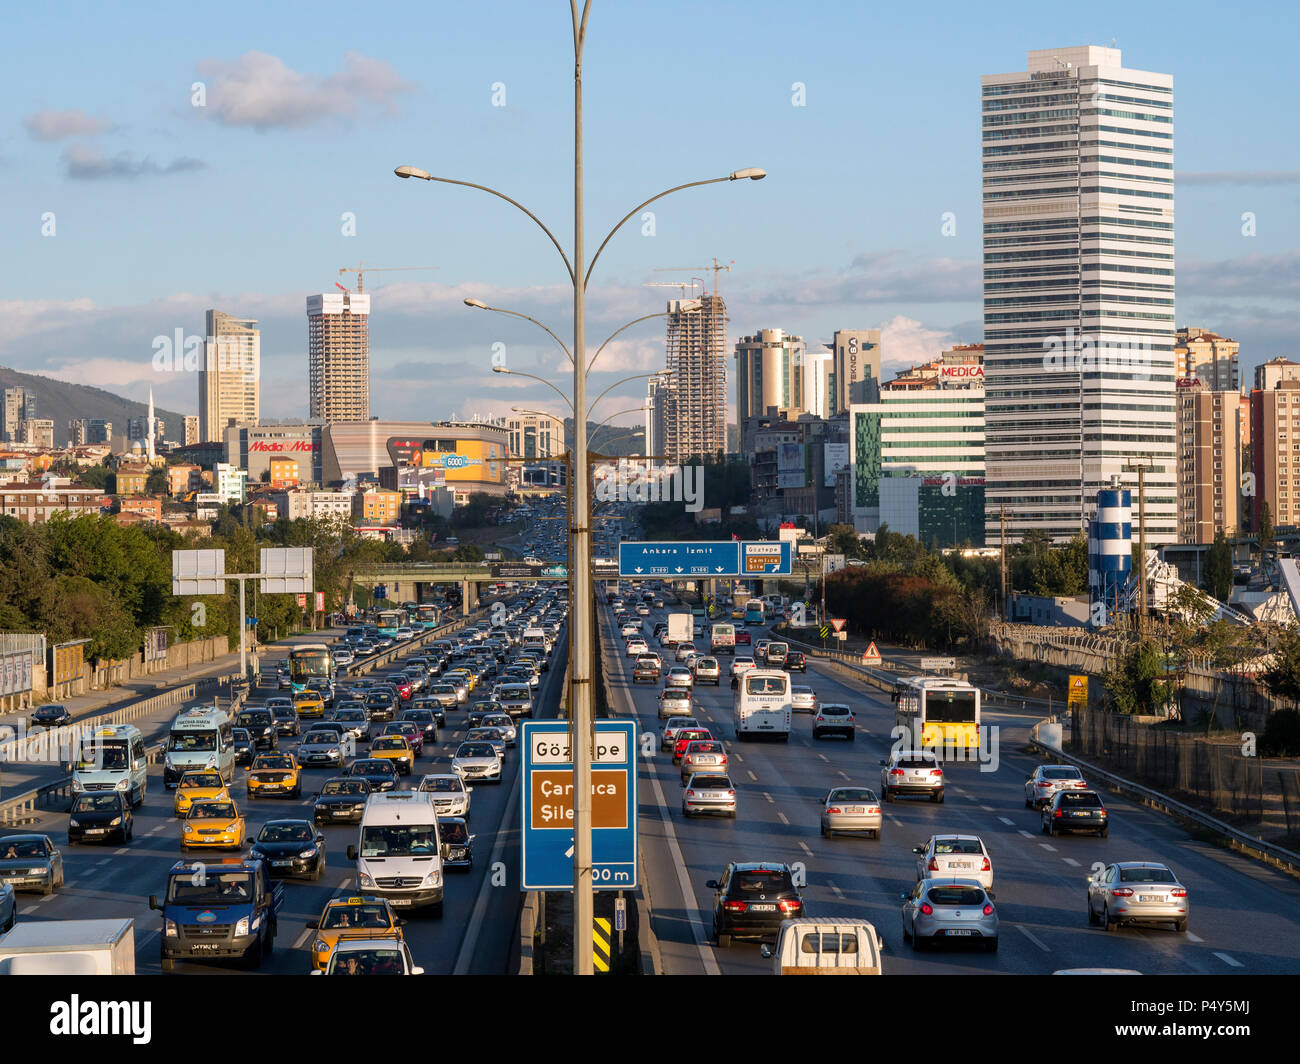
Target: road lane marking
{"x": 1049, "y": 849}
{"x": 1032, "y": 938}
{"x": 103, "y": 861}
{"x": 844, "y": 775}
{"x": 119, "y": 852}
{"x": 302, "y": 939}
{"x": 959, "y": 790}
{"x": 834, "y": 889}
{"x": 894, "y": 820}
{"x": 988, "y": 809}
{"x": 1193, "y": 937}
{"x": 1026, "y": 834}
{"x": 752, "y": 775}
{"x": 1071, "y": 862}
{"x": 1009, "y": 823}
{"x": 1228, "y": 960}
{"x": 824, "y": 758}
{"x": 804, "y": 846}
{"x": 782, "y": 817}
{"x": 769, "y": 797}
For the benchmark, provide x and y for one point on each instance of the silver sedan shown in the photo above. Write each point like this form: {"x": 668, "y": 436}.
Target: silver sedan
{"x": 505, "y": 724}
{"x": 803, "y": 699}
{"x": 1137, "y": 892}
{"x": 668, "y": 739}
{"x": 946, "y": 910}
{"x": 679, "y": 676}
{"x": 8, "y": 907}
{"x": 709, "y": 793}
{"x": 851, "y": 809}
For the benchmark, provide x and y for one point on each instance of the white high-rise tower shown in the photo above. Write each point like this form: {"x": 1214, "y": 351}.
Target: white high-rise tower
{"x": 152, "y": 432}
{"x": 1078, "y": 168}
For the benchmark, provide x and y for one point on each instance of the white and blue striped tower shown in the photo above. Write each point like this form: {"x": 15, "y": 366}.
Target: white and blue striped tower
{"x": 1110, "y": 549}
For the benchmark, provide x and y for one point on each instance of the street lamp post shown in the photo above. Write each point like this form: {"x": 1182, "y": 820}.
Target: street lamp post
{"x": 582, "y": 698}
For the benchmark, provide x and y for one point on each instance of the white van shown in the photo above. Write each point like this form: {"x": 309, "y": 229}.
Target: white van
{"x": 201, "y": 737}
{"x": 399, "y": 851}
{"x": 810, "y": 945}
{"x": 112, "y": 758}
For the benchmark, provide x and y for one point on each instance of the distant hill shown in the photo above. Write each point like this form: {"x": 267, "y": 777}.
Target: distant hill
{"x": 61, "y": 402}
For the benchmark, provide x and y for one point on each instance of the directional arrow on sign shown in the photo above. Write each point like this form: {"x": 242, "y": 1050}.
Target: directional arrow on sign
{"x": 638, "y": 568}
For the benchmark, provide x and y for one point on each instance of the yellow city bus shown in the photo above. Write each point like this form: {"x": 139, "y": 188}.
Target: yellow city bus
{"x": 938, "y": 712}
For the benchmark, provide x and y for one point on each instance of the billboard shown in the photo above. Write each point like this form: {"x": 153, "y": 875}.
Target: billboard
{"x": 835, "y": 458}
{"x": 155, "y": 644}
{"x": 460, "y": 461}
{"x": 790, "y": 471}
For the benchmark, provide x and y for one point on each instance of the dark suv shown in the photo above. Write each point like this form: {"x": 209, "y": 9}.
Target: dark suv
{"x": 261, "y": 728}
{"x": 1075, "y": 811}
{"x": 751, "y": 900}
{"x": 796, "y": 662}
{"x": 381, "y": 705}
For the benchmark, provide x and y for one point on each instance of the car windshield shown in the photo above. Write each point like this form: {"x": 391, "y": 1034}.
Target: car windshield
{"x": 205, "y": 886}
{"x": 834, "y": 711}
{"x": 95, "y": 803}
{"x": 343, "y": 917}
{"x": 241, "y": 735}
{"x": 704, "y": 748}
{"x": 344, "y": 787}
{"x": 274, "y": 761}
{"x": 191, "y": 742}
{"x": 443, "y": 689}
{"x": 916, "y": 762}
{"x": 957, "y": 846}
{"x": 452, "y": 832}
{"x": 255, "y": 719}
{"x": 398, "y": 840}
{"x": 367, "y": 962}
{"x": 711, "y": 782}
{"x": 11, "y": 849}
{"x": 760, "y": 881}
{"x": 853, "y": 794}
{"x": 1146, "y": 875}
{"x": 476, "y": 750}
{"x": 442, "y": 784}
{"x": 322, "y": 737}
{"x": 285, "y": 833}
{"x": 389, "y": 742}
{"x": 368, "y": 767}
{"x": 350, "y": 715}
{"x": 1062, "y": 773}
{"x": 764, "y": 685}
{"x": 212, "y": 811}
{"x": 1081, "y": 798}
{"x": 955, "y": 894}
{"x": 200, "y": 779}
{"x": 418, "y": 716}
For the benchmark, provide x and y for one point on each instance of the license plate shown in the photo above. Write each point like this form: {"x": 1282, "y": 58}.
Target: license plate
{"x": 399, "y": 901}
{"x": 95, "y": 831}
{"x": 763, "y": 908}
{"x": 200, "y": 946}
{"x": 854, "y": 809}
{"x": 281, "y": 864}
{"x": 961, "y": 931}
{"x": 1150, "y": 897}
{"x": 959, "y": 864}
{"x": 1080, "y": 812}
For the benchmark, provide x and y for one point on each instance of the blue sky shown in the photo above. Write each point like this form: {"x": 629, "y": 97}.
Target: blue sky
{"x": 162, "y": 209}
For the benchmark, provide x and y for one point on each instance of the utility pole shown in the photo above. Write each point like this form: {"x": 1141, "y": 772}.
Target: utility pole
{"x": 1002, "y": 540}
{"x": 1141, "y": 469}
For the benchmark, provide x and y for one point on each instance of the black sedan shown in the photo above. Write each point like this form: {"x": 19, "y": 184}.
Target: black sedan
{"x": 290, "y": 848}
{"x": 1075, "y": 811}
{"x": 261, "y": 728}
{"x": 342, "y": 800}
{"x": 51, "y": 716}
{"x": 286, "y": 719}
{"x": 379, "y": 772}
{"x": 101, "y": 816}
{"x": 457, "y": 842}
{"x": 433, "y": 705}
{"x": 243, "y": 746}
{"x": 425, "y": 721}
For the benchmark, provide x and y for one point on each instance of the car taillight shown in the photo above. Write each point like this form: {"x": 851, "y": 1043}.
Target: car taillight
{"x": 1122, "y": 892}
{"x": 873, "y": 809}
{"x": 690, "y": 793}
{"x": 926, "y": 908}
{"x": 934, "y": 864}
{"x": 1044, "y": 783}
{"x": 1058, "y": 814}
{"x": 790, "y": 905}
{"x": 1178, "y": 892}
{"x": 835, "y": 810}
{"x": 986, "y": 867}
{"x": 731, "y": 794}
{"x": 988, "y": 910}
{"x": 895, "y": 771}
{"x": 936, "y": 772}
{"x": 735, "y": 906}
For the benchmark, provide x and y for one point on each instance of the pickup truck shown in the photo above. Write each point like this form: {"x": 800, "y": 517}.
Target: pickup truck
{"x": 218, "y": 911}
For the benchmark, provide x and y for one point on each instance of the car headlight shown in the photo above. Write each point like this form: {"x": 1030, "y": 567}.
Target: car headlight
{"x": 169, "y": 928}
{"x": 189, "y": 829}
{"x": 433, "y": 878}
{"x": 115, "y": 822}
{"x": 320, "y": 946}
{"x": 365, "y": 880}
{"x": 241, "y": 927}
{"x": 311, "y": 851}
{"x": 75, "y": 823}
{"x": 122, "y": 784}
{"x": 77, "y": 784}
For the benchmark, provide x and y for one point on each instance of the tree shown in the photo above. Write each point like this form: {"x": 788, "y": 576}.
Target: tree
{"x": 156, "y": 484}
{"x": 95, "y": 476}
{"x": 1282, "y": 677}
{"x": 843, "y": 539}
{"x": 1265, "y": 533}
{"x": 468, "y": 552}
{"x": 1218, "y": 567}
{"x": 1134, "y": 682}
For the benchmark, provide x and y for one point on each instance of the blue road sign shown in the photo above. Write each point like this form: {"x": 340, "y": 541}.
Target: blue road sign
{"x": 547, "y": 806}
{"x": 705, "y": 558}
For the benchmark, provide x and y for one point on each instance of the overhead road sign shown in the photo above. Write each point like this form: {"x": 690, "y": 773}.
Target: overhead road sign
{"x": 547, "y": 806}
{"x": 708, "y": 558}
{"x": 286, "y": 570}
{"x": 198, "y": 572}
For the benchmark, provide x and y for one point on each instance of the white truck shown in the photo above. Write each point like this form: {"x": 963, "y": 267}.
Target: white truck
{"x": 817, "y": 946}
{"x": 681, "y": 628}
{"x": 722, "y": 639}
{"x": 69, "y": 947}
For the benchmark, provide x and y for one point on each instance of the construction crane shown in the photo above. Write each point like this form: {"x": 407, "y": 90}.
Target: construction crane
{"x": 715, "y": 268}
{"x": 362, "y": 269}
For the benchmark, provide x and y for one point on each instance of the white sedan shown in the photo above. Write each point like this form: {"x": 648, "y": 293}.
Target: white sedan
{"x": 959, "y": 856}
{"x": 679, "y": 676}
{"x": 477, "y": 761}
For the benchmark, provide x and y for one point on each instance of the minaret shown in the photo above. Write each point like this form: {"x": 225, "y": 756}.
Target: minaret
{"x": 150, "y": 428}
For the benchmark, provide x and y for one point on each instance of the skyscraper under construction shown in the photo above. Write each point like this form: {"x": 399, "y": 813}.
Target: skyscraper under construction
{"x": 695, "y": 399}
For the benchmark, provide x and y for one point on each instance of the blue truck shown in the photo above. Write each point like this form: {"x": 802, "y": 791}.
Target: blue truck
{"x": 219, "y": 911}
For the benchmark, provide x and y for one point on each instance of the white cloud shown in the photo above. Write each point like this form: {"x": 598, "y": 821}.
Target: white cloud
{"x": 59, "y": 125}
{"x": 905, "y": 343}
{"x": 84, "y": 162}
{"x": 260, "y": 91}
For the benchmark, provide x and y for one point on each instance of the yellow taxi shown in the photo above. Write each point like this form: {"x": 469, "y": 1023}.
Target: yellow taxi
{"x": 737, "y": 614}
{"x": 342, "y": 916}
{"x": 274, "y": 774}
{"x": 308, "y": 705}
{"x": 394, "y": 748}
{"x": 213, "y": 825}
{"x": 200, "y": 785}
{"x": 457, "y": 676}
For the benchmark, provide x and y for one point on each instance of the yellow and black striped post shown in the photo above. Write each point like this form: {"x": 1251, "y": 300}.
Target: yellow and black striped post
{"x": 600, "y": 949}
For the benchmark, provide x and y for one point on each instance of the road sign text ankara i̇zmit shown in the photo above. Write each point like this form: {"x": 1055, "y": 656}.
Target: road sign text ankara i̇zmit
{"x": 547, "y": 799}
{"x": 725, "y": 558}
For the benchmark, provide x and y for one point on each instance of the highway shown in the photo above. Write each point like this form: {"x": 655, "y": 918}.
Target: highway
{"x": 474, "y": 936}
{"x": 1244, "y": 917}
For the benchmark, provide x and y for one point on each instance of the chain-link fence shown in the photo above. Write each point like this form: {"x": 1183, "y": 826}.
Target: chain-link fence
{"x": 1218, "y": 774}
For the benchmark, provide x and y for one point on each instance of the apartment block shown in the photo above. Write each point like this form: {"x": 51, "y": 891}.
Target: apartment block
{"x": 338, "y": 356}
{"x": 1209, "y": 461}
{"x": 1208, "y": 357}
{"x": 229, "y": 378}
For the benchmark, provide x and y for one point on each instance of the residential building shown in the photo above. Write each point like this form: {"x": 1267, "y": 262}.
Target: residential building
{"x": 338, "y": 355}
{"x": 19, "y": 406}
{"x": 769, "y": 375}
{"x": 535, "y": 435}
{"x": 299, "y": 504}
{"x": 38, "y": 501}
{"x": 1209, "y": 461}
{"x": 855, "y": 368}
{"x": 283, "y": 472}
{"x": 377, "y": 506}
{"x": 191, "y": 429}
{"x": 1268, "y": 374}
{"x": 183, "y": 478}
{"x": 229, "y": 483}
{"x": 695, "y": 401}
{"x": 1208, "y": 357}
{"x": 1275, "y": 453}
{"x": 130, "y": 479}
{"x": 1078, "y": 219}
{"x": 38, "y": 432}
{"x": 229, "y": 378}
{"x": 88, "y": 431}
{"x": 148, "y": 507}
{"x": 656, "y": 410}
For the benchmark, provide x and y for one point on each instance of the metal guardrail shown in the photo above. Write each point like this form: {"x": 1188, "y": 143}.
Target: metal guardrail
{"x": 1277, "y": 856}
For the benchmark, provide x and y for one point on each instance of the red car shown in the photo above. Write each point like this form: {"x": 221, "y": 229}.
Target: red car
{"x": 684, "y": 738}
{"x": 411, "y": 731}
{"x": 742, "y": 638}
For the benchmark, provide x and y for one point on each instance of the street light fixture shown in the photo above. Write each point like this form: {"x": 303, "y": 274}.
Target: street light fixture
{"x": 581, "y": 638}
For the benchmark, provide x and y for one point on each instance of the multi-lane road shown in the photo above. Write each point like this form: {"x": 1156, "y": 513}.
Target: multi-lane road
{"x": 474, "y": 935}
{"x": 1245, "y": 918}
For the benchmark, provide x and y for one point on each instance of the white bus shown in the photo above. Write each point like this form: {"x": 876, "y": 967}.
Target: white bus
{"x": 763, "y": 705}
{"x": 112, "y": 758}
